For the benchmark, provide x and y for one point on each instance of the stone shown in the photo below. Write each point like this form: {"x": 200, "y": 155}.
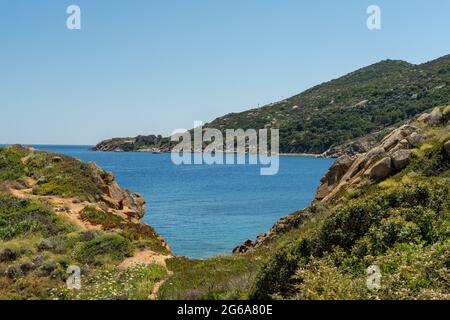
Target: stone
{"x": 424, "y": 117}
{"x": 375, "y": 152}
{"x": 116, "y": 197}
{"x": 64, "y": 209}
{"x": 38, "y": 261}
{"x": 404, "y": 143}
{"x": 382, "y": 169}
{"x": 415, "y": 139}
{"x": 447, "y": 148}
{"x": 333, "y": 175}
{"x": 401, "y": 158}
{"x": 390, "y": 141}
{"x": 435, "y": 117}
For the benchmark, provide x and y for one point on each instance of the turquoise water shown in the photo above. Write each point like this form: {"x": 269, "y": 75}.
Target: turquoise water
{"x": 205, "y": 210}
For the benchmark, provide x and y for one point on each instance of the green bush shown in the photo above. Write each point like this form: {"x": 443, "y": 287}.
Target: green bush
{"x": 105, "y": 247}
{"x": 67, "y": 178}
{"x": 19, "y": 217}
{"x": 415, "y": 213}
{"x": 11, "y": 166}
{"x": 99, "y": 217}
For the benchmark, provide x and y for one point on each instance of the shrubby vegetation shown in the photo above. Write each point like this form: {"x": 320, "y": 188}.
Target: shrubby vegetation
{"x": 401, "y": 224}
{"x": 37, "y": 246}
{"x": 133, "y": 284}
{"x": 361, "y": 103}
{"x": 356, "y": 107}
{"x": 11, "y": 167}
{"x": 67, "y": 178}
{"x": 222, "y": 277}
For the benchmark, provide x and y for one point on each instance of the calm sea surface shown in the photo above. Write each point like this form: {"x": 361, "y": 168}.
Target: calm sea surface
{"x": 205, "y": 210}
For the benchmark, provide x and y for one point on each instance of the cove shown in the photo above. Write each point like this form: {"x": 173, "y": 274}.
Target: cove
{"x": 207, "y": 210}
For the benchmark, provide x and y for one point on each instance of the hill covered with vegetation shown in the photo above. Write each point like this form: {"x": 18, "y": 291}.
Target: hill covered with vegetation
{"x": 388, "y": 207}
{"x": 357, "y": 109}
{"x": 57, "y": 212}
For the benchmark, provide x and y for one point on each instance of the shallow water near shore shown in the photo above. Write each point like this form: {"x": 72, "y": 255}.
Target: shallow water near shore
{"x": 207, "y": 210}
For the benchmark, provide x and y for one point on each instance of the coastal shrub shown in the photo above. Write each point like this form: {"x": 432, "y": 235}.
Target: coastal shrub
{"x": 414, "y": 213}
{"x": 11, "y": 166}
{"x": 222, "y": 277}
{"x": 106, "y": 247}
{"x": 394, "y": 229}
{"x": 68, "y": 177}
{"x": 135, "y": 283}
{"x": 415, "y": 271}
{"x": 19, "y": 217}
{"x": 106, "y": 219}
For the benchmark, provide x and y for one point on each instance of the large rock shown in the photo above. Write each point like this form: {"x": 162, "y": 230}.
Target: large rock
{"x": 401, "y": 158}
{"x": 447, "y": 148}
{"x": 333, "y": 176}
{"x": 382, "y": 169}
{"x": 415, "y": 139}
{"x": 350, "y": 149}
{"x": 375, "y": 152}
{"x": 390, "y": 141}
{"x": 435, "y": 117}
{"x": 424, "y": 117}
{"x": 116, "y": 197}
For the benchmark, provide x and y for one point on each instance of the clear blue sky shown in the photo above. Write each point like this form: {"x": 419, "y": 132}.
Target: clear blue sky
{"x": 142, "y": 67}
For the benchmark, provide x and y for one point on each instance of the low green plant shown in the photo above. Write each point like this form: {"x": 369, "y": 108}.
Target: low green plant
{"x": 104, "y": 248}
{"x": 106, "y": 219}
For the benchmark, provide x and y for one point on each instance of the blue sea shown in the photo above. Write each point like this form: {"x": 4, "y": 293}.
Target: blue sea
{"x": 207, "y": 210}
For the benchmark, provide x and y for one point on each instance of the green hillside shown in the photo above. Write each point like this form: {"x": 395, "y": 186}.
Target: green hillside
{"x": 362, "y": 102}
{"x": 356, "y": 106}
{"x": 398, "y": 221}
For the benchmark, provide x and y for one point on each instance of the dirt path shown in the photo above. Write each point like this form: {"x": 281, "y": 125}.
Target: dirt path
{"x": 71, "y": 208}
{"x": 148, "y": 257}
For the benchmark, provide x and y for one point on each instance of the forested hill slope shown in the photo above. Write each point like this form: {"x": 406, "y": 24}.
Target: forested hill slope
{"x": 360, "y": 107}
{"x": 355, "y": 105}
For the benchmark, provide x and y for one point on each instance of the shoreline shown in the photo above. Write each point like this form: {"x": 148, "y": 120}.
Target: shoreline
{"x": 294, "y": 154}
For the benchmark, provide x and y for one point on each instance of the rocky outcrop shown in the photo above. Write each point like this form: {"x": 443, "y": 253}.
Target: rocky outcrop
{"x": 133, "y": 204}
{"x": 382, "y": 169}
{"x": 401, "y": 158}
{"x": 333, "y": 175}
{"x": 392, "y": 155}
{"x": 435, "y": 118}
{"x": 349, "y": 149}
{"x": 380, "y": 162}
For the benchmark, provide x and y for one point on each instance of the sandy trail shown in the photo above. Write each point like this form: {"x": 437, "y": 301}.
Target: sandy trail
{"x": 71, "y": 208}
{"x": 148, "y": 257}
